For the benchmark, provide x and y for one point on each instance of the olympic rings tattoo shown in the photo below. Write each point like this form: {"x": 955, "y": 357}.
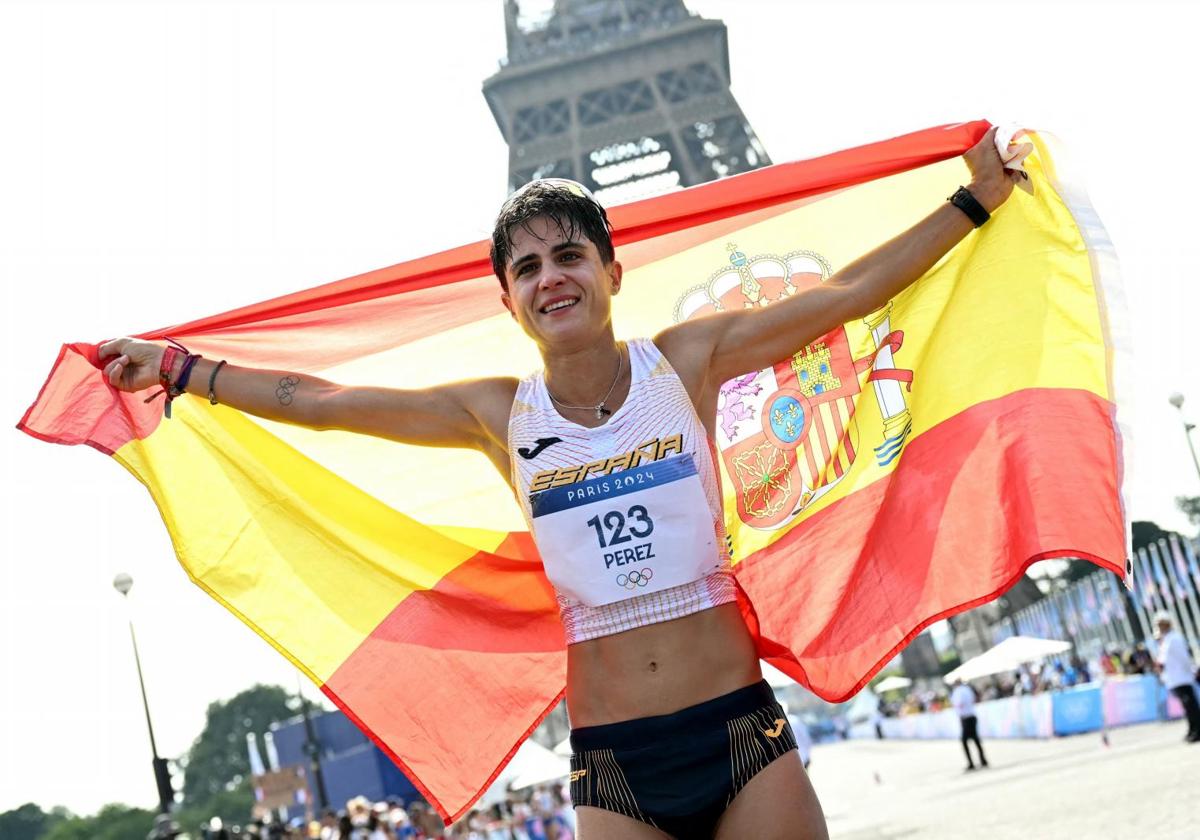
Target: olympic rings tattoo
{"x": 635, "y": 579}
{"x": 286, "y": 391}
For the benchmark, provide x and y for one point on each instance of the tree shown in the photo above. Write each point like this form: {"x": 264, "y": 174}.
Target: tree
{"x": 29, "y": 822}
{"x": 1146, "y": 533}
{"x": 217, "y": 763}
{"x": 1190, "y": 505}
{"x": 113, "y": 822}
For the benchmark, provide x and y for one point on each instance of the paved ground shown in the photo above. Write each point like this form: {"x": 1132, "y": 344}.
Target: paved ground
{"x": 1145, "y": 785}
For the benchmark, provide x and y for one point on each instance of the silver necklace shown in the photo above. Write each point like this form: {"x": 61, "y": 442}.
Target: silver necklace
{"x": 599, "y": 407}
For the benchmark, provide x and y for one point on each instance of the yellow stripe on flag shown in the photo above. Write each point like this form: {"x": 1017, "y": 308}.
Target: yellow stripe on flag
{"x": 311, "y": 562}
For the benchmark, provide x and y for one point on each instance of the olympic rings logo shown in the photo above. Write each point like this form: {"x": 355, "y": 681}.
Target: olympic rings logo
{"x": 635, "y": 579}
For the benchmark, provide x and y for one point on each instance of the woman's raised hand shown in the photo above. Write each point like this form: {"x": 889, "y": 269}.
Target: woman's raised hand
{"x": 136, "y": 363}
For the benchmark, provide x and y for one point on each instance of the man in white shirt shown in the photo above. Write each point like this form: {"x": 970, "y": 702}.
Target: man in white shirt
{"x": 1177, "y": 672}
{"x": 962, "y": 698}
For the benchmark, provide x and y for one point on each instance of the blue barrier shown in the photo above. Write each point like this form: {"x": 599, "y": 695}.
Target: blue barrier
{"x": 1118, "y": 701}
{"x": 1132, "y": 700}
{"x": 1077, "y": 710}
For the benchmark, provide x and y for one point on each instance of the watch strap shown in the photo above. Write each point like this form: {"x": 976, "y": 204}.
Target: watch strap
{"x": 966, "y": 202}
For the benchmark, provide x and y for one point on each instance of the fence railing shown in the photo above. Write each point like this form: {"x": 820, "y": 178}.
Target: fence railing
{"x": 1097, "y": 612}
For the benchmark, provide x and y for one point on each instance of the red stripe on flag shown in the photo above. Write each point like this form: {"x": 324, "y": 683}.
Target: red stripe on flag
{"x": 845, "y": 446}
{"x": 77, "y": 405}
{"x": 1001, "y": 483}
{"x": 819, "y": 426}
{"x": 492, "y": 622}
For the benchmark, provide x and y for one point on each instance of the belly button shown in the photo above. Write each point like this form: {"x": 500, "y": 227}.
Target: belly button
{"x": 653, "y": 667}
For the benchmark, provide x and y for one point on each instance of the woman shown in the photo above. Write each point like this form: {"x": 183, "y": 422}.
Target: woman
{"x": 608, "y": 451}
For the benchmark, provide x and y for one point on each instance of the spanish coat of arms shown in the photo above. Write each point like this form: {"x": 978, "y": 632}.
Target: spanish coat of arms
{"x": 787, "y": 435}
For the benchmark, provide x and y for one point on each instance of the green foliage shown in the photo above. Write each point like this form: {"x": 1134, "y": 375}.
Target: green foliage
{"x": 948, "y": 660}
{"x": 217, "y": 780}
{"x": 217, "y": 761}
{"x": 29, "y": 822}
{"x": 1190, "y": 505}
{"x": 114, "y": 822}
{"x": 1146, "y": 533}
{"x": 1078, "y": 570}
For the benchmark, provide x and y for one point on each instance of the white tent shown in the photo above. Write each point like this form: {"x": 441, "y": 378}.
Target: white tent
{"x": 774, "y": 677}
{"x": 892, "y": 683}
{"x": 538, "y": 765}
{"x": 1007, "y": 656}
{"x": 533, "y": 764}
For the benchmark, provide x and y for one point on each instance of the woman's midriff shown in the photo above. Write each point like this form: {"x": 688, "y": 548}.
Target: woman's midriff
{"x": 661, "y": 668}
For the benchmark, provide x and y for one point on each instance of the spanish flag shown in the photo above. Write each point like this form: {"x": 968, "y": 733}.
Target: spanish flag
{"x": 901, "y": 469}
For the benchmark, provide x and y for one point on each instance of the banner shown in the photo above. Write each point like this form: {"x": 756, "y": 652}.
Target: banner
{"x": 903, "y": 468}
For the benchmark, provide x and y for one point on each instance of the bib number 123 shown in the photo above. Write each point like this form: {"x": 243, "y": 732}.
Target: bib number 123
{"x": 614, "y": 527}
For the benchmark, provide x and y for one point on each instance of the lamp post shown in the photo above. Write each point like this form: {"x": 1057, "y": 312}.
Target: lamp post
{"x": 1177, "y": 401}
{"x": 312, "y": 748}
{"x": 162, "y": 776}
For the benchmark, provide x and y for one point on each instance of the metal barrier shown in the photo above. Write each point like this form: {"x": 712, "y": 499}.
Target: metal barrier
{"x": 1097, "y": 611}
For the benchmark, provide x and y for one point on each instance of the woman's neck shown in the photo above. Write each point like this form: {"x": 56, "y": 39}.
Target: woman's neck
{"x": 583, "y": 376}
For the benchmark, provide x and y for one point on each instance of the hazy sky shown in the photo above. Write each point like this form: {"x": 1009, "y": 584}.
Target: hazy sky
{"x": 163, "y": 161}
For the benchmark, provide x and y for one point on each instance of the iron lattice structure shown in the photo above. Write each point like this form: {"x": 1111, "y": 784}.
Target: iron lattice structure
{"x": 630, "y": 97}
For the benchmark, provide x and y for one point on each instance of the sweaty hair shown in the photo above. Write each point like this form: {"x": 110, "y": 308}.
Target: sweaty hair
{"x": 568, "y": 204}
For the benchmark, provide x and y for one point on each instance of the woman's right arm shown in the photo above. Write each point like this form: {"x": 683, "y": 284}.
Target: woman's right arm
{"x": 447, "y": 415}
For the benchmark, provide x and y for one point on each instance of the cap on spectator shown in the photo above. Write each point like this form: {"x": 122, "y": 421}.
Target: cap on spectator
{"x": 358, "y": 805}
{"x": 1162, "y": 617}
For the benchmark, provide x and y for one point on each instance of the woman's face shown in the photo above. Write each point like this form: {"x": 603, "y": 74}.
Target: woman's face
{"x": 559, "y": 289}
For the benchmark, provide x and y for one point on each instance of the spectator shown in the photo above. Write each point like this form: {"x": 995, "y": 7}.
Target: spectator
{"x": 1028, "y": 686}
{"x": 1175, "y": 667}
{"x": 1139, "y": 660}
{"x": 963, "y": 700}
{"x": 328, "y": 824}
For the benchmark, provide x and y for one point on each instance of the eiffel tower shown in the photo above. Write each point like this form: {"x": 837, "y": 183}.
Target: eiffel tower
{"x": 629, "y": 97}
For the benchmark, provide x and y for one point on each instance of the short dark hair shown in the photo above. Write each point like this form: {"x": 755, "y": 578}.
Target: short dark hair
{"x": 570, "y": 205}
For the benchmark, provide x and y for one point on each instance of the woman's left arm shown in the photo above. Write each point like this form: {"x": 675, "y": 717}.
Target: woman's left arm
{"x": 720, "y": 347}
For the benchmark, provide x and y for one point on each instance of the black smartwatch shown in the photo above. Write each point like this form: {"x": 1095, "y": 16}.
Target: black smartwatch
{"x": 964, "y": 201}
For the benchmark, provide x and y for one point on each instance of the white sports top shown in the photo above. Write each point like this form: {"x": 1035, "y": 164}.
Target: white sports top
{"x": 656, "y": 421}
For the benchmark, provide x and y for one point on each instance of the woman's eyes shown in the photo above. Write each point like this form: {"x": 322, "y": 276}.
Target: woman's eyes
{"x": 566, "y": 256}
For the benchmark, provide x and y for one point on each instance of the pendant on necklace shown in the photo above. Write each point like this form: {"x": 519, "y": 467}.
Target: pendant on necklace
{"x": 601, "y": 411}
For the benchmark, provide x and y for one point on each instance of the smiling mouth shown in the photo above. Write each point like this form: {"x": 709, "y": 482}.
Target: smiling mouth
{"x": 559, "y": 304}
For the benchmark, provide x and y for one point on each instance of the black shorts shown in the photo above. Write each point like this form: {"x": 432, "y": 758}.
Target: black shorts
{"x": 679, "y": 772}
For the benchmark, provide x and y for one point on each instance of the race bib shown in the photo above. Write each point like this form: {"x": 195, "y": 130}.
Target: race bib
{"x": 630, "y": 533}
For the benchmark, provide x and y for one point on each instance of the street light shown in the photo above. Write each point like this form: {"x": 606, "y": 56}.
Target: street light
{"x": 1177, "y": 401}
{"x": 162, "y": 776}
{"x": 312, "y": 748}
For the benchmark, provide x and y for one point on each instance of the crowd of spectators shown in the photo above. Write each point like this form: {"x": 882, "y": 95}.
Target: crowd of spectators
{"x": 1062, "y": 673}
{"x": 542, "y": 813}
